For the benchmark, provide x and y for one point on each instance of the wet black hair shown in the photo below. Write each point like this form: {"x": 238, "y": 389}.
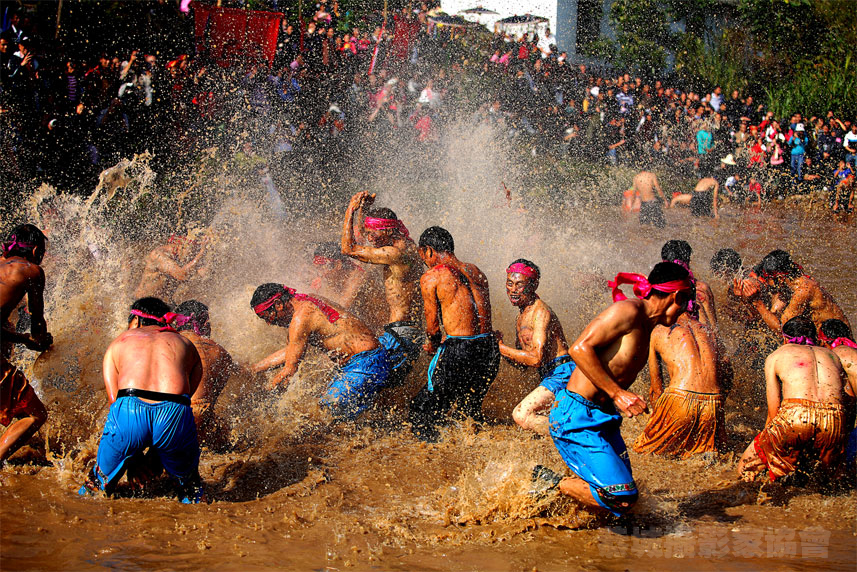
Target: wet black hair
{"x": 191, "y": 308}
{"x": 832, "y": 329}
{"x": 152, "y": 306}
{"x": 265, "y": 291}
{"x": 332, "y": 250}
{"x": 676, "y": 250}
{"x": 779, "y": 261}
{"x": 726, "y": 262}
{"x": 437, "y": 238}
{"x": 530, "y": 264}
{"x": 667, "y": 272}
{"x": 382, "y": 212}
{"x": 800, "y": 326}
{"x": 27, "y": 234}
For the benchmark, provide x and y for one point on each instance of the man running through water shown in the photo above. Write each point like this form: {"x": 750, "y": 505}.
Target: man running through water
{"x": 20, "y": 275}
{"x": 170, "y": 264}
{"x": 651, "y": 208}
{"x": 466, "y": 361}
{"x": 688, "y": 415}
{"x": 611, "y": 351}
{"x": 150, "y": 371}
{"x": 191, "y": 320}
{"x": 703, "y": 200}
{"x": 805, "y": 426}
{"x": 805, "y": 295}
{"x": 679, "y": 251}
{"x": 364, "y": 367}
{"x": 540, "y": 342}
{"x": 393, "y": 249}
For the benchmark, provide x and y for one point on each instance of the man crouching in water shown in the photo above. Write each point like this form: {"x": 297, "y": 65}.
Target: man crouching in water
{"x": 540, "y": 342}
{"x": 611, "y": 351}
{"x": 150, "y": 372}
{"x": 20, "y": 275}
{"x": 364, "y": 364}
{"x": 805, "y": 427}
{"x": 393, "y": 249}
{"x": 465, "y": 363}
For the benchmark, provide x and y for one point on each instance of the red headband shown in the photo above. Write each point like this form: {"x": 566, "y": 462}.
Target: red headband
{"x": 521, "y": 268}
{"x": 386, "y": 223}
{"x": 330, "y": 313}
{"x": 261, "y": 307}
{"x": 840, "y": 341}
{"x": 321, "y": 260}
{"x": 642, "y": 287}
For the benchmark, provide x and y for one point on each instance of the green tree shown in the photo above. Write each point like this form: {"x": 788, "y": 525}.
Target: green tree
{"x": 643, "y": 34}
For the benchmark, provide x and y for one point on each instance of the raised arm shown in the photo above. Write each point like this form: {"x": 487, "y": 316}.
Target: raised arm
{"x": 166, "y": 265}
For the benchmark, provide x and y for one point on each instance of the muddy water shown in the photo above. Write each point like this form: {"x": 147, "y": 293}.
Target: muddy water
{"x": 295, "y": 492}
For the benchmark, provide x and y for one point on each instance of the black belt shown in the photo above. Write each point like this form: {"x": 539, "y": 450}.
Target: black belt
{"x": 153, "y": 395}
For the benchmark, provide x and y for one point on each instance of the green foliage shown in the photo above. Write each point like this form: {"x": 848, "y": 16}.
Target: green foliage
{"x": 722, "y": 61}
{"x": 816, "y": 87}
{"x": 643, "y": 34}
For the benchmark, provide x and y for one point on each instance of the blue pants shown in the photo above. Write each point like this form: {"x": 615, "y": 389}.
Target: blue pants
{"x": 134, "y": 425}
{"x": 797, "y": 166}
{"x": 556, "y": 374}
{"x": 353, "y": 389}
{"x": 403, "y": 342}
{"x": 588, "y": 439}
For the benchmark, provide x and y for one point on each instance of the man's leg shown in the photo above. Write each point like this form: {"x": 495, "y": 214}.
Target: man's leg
{"x": 529, "y": 413}
{"x": 20, "y": 431}
{"x": 175, "y": 439}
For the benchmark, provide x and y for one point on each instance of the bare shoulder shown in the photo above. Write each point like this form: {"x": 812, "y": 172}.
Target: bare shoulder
{"x": 475, "y": 274}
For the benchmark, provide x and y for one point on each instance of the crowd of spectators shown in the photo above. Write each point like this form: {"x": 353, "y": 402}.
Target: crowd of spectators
{"x": 336, "y": 81}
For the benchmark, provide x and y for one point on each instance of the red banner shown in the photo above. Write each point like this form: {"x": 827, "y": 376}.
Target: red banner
{"x": 231, "y": 35}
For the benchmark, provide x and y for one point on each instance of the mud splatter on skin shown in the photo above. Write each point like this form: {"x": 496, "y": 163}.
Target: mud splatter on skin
{"x": 296, "y": 492}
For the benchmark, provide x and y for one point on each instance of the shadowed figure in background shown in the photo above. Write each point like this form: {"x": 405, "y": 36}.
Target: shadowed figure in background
{"x": 21, "y": 275}
{"x": 171, "y": 264}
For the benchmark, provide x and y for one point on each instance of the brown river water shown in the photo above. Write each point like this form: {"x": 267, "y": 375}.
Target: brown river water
{"x": 293, "y": 491}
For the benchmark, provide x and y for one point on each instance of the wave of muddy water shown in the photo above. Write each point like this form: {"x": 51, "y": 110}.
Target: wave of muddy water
{"x": 295, "y": 492}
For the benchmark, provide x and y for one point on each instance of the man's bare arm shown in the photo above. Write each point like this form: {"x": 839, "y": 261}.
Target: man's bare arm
{"x": 194, "y": 377}
{"x": 613, "y": 323}
{"x": 657, "y": 186}
{"x": 772, "y": 388}
{"x": 110, "y": 374}
{"x": 298, "y": 339}
{"x": 656, "y": 385}
{"x": 428, "y": 288}
{"x": 166, "y": 265}
{"x": 36, "y": 306}
{"x": 799, "y": 300}
{"x": 534, "y": 356}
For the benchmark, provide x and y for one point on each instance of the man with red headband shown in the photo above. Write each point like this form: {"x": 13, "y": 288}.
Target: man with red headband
{"x": 392, "y": 248}
{"x": 805, "y": 295}
{"x": 611, "y": 351}
{"x": 805, "y": 427}
{"x": 150, "y": 372}
{"x": 540, "y": 342}
{"x": 170, "y": 264}
{"x": 20, "y": 275}
{"x": 363, "y": 365}
{"x": 455, "y": 295}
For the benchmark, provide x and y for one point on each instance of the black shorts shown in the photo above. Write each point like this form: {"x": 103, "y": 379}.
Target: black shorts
{"x": 652, "y": 212}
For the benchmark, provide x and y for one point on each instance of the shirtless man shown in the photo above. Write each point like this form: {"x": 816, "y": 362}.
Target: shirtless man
{"x": 688, "y": 416}
{"x": 392, "y": 248}
{"x": 837, "y": 336}
{"x": 363, "y": 362}
{"x": 150, "y": 372}
{"x": 20, "y": 275}
{"x": 704, "y": 199}
{"x": 679, "y": 251}
{"x": 805, "y": 426}
{"x": 170, "y": 264}
{"x": 585, "y": 420}
{"x": 805, "y": 295}
{"x": 645, "y": 184}
{"x": 540, "y": 342}
{"x": 466, "y": 361}
{"x": 191, "y": 320}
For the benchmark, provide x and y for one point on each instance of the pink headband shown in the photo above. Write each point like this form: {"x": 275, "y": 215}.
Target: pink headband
{"x": 642, "y": 288}
{"x": 15, "y": 243}
{"x": 843, "y": 342}
{"x": 141, "y": 314}
{"x": 330, "y": 313}
{"x": 521, "y": 268}
{"x": 261, "y": 307}
{"x": 386, "y": 223}
{"x": 800, "y": 340}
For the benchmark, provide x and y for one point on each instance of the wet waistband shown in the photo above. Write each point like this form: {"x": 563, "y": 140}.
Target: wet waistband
{"x": 183, "y": 399}
{"x": 695, "y": 395}
{"x": 475, "y": 337}
{"x": 607, "y": 408}
{"x": 547, "y": 369}
{"x": 402, "y": 324}
{"x": 808, "y": 403}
